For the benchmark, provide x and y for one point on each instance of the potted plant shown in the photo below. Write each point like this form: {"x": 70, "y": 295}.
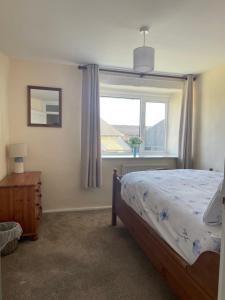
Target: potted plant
{"x": 135, "y": 142}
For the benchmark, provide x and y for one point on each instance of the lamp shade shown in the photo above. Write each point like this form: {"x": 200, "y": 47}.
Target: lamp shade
{"x": 144, "y": 58}
{"x": 18, "y": 150}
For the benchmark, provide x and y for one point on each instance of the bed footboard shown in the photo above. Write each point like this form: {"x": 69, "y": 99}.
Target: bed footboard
{"x": 198, "y": 281}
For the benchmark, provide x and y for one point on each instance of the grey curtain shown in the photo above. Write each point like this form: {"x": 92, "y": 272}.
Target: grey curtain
{"x": 185, "y": 134}
{"x": 91, "y": 176}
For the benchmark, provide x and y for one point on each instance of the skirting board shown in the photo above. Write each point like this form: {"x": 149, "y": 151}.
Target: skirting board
{"x": 76, "y": 209}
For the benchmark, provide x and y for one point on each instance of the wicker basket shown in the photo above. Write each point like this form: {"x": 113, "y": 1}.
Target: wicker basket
{"x": 10, "y": 233}
{"x": 10, "y": 247}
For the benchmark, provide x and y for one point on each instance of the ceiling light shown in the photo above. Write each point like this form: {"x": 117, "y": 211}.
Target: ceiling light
{"x": 144, "y": 57}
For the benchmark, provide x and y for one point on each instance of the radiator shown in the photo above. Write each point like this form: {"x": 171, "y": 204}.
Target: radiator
{"x": 134, "y": 168}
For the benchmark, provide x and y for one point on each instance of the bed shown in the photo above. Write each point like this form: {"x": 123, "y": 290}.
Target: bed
{"x": 165, "y": 218}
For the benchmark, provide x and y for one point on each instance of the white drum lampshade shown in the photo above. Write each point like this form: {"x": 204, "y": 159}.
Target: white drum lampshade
{"x": 18, "y": 152}
{"x": 144, "y": 58}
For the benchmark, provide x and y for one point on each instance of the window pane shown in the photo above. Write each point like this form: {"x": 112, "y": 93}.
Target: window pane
{"x": 154, "y": 130}
{"x": 120, "y": 118}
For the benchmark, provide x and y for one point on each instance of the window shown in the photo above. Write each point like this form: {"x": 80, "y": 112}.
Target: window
{"x": 124, "y": 117}
{"x": 120, "y": 119}
{"x": 154, "y": 127}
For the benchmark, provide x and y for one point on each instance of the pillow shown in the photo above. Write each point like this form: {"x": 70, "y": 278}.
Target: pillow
{"x": 213, "y": 214}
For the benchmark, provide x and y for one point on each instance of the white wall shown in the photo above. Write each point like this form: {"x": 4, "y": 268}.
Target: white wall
{"x": 209, "y": 150}
{"x": 56, "y": 151}
{"x": 209, "y": 143}
{"x": 4, "y": 134}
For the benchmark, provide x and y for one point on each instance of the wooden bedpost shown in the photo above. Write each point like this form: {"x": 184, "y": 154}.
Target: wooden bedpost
{"x": 114, "y": 219}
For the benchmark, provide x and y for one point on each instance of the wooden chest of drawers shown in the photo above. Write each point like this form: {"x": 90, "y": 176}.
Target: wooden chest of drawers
{"x": 20, "y": 201}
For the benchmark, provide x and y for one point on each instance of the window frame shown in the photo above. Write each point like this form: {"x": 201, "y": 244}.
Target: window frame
{"x": 144, "y": 101}
{"x": 144, "y": 97}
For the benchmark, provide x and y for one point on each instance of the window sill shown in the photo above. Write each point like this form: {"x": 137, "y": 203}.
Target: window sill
{"x": 139, "y": 156}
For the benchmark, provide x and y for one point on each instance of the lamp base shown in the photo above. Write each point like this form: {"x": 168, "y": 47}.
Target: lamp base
{"x": 18, "y": 166}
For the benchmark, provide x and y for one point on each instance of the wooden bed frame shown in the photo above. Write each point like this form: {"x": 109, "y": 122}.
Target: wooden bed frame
{"x": 190, "y": 282}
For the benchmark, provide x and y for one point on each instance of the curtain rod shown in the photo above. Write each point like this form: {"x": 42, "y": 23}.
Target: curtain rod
{"x": 159, "y": 75}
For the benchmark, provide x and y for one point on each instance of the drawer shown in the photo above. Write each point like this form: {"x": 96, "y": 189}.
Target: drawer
{"x": 38, "y": 194}
{"x": 6, "y": 205}
{"x": 38, "y": 211}
{"x": 39, "y": 184}
{"x": 38, "y": 198}
{"x": 38, "y": 188}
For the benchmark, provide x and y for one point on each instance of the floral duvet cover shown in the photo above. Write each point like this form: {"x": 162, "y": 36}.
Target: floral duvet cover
{"x": 173, "y": 202}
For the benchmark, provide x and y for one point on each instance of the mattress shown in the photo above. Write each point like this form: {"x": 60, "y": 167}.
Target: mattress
{"x": 173, "y": 203}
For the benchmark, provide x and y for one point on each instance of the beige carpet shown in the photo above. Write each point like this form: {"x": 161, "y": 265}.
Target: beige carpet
{"x": 80, "y": 256}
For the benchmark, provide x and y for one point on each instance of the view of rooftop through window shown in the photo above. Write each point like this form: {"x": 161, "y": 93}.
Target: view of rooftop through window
{"x": 121, "y": 119}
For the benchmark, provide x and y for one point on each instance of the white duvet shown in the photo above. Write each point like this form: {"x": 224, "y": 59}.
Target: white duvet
{"x": 173, "y": 202}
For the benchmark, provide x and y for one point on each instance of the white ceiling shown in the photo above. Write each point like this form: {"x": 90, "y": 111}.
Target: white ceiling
{"x": 188, "y": 35}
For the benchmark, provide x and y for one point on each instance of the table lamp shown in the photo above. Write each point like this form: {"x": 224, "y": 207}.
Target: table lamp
{"x": 18, "y": 152}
